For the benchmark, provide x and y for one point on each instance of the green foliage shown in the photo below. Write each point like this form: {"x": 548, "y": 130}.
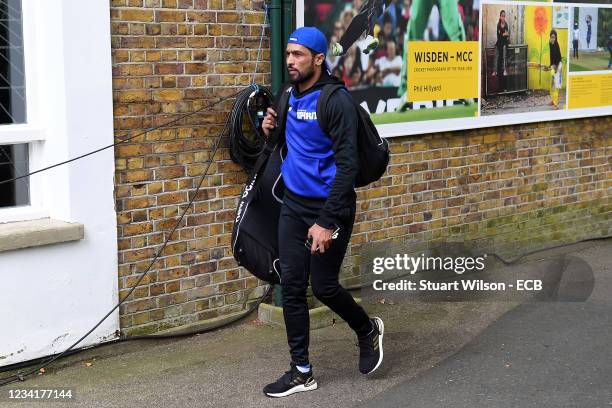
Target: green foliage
{"x": 537, "y": 55}
{"x": 604, "y": 26}
{"x": 447, "y": 112}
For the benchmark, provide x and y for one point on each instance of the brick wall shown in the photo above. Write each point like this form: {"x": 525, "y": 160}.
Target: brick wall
{"x": 171, "y": 57}
{"x": 507, "y": 189}
{"x": 531, "y": 185}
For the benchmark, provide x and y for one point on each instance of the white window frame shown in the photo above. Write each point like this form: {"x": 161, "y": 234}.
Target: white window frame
{"x": 33, "y": 131}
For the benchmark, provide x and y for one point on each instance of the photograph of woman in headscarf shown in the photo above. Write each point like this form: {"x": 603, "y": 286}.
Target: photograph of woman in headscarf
{"x": 556, "y": 67}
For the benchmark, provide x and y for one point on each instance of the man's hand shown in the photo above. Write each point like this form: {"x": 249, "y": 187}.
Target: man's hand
{"x": 321, "y": 238}
{"x": 269, "y": 122}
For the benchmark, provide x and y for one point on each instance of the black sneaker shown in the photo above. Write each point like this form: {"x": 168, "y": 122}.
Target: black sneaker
{"x": 371, "y": 347}
{"x": 291, "y": 382}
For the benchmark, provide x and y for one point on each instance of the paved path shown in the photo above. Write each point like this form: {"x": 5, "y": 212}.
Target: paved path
{"x": 541, "y": 354}
{"x": 438, "y": 354}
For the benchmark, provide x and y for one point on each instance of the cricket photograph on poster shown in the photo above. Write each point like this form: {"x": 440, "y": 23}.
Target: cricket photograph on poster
{"x": 591, "y": 39}
{"x": 369, "y": 49}
{"x": 435, "y": 65}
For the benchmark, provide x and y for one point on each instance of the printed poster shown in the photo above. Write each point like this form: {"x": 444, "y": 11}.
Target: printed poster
{"x": 421, "y": 66}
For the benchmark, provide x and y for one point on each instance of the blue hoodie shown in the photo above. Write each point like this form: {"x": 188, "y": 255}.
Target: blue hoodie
{"x": 322, "y": 166}
{"x": 310, "y": 166}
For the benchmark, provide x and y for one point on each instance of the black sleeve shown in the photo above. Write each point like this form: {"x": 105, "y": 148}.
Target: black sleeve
{"x": 342, "y": 120}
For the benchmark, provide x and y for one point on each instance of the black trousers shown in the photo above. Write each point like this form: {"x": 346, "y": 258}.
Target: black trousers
{"x": 297, "y": 265}
{"x": 575, "y": 45}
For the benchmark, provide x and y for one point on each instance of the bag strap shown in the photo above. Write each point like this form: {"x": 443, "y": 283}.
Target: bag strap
{"x": 281, "y": 104}
{"x": 326, "y": 92}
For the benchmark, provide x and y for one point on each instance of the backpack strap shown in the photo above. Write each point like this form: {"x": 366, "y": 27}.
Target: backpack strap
{"x": 277, "y": 135}
{"x": 326, "y": 92}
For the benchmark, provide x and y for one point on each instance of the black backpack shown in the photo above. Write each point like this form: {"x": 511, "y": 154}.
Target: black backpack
{"x": 372, "y": 149}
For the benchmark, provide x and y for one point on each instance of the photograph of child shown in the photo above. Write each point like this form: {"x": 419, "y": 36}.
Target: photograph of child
{"x": 524, "y": 55}
{"x": 591, "y": 39}
{"x": 556, "y": 69}
{"x": 575, "y": 41}
{"x": 501, "y": 46}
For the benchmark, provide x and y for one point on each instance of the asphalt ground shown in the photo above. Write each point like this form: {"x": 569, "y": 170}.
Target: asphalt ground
{"x": 437, "y": 354}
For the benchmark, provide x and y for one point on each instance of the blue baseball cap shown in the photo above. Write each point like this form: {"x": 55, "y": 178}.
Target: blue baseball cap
{"x": 310, "y": 37}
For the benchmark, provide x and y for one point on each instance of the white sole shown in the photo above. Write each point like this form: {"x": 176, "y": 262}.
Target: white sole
{"x": 299, "y": 388}
{"x": 381, "y": 328}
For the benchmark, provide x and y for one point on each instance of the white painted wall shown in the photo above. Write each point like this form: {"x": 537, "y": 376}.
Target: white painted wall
{"x": 52, "y": 295}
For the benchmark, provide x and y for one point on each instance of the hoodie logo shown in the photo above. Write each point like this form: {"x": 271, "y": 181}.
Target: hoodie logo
{"x": 302, "y": 114}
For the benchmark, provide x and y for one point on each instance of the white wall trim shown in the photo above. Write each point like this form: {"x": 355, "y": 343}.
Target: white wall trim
{"x": 58, "y": 292}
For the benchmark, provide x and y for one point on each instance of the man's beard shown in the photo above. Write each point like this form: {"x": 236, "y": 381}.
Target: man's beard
{"x": 303, "y": 77}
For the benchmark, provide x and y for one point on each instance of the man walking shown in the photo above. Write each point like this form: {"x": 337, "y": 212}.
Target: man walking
{"x": 318, "y": 211}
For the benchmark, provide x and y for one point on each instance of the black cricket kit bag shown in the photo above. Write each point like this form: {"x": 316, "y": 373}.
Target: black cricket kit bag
{"x": 255, "y": 231}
